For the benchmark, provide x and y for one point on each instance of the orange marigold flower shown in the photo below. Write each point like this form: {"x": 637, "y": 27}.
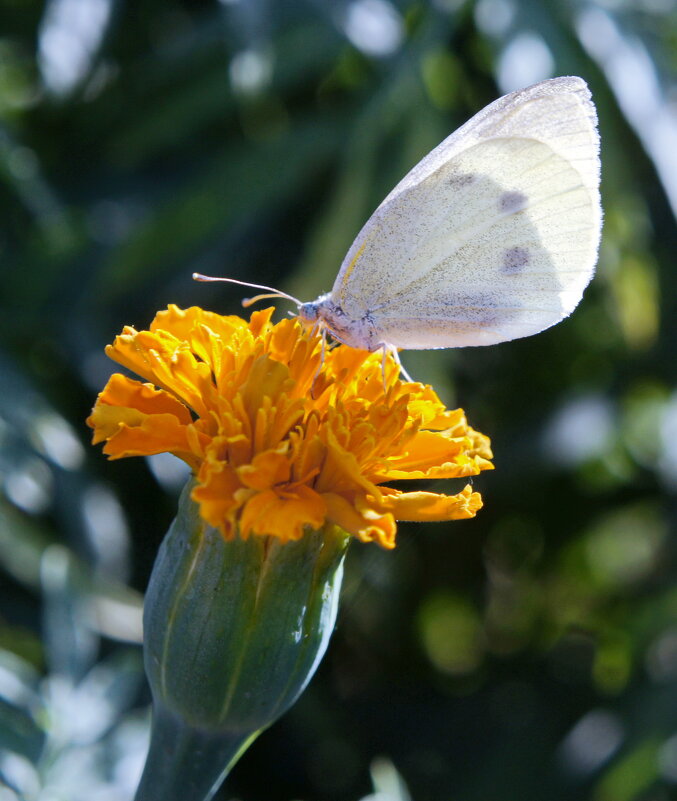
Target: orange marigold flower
{"x": 280, "y": 437}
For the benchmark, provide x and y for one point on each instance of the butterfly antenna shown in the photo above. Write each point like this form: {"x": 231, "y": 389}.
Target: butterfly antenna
{"x": 271, "y": 292}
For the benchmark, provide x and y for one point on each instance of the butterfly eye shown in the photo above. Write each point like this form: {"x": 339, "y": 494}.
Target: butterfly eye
{"x": 309, "y": 312}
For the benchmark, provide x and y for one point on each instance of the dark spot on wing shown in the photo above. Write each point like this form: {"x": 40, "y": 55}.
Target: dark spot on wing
{"x": 515, "y": 259}
{"x": 510, "y": 202}
{"x": 462, "y": 179}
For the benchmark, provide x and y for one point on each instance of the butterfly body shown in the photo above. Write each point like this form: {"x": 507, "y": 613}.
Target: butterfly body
{"x": 357, "y": 329}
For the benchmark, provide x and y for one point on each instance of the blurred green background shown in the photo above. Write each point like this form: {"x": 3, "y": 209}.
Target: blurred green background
{"x": 529, "y": 654}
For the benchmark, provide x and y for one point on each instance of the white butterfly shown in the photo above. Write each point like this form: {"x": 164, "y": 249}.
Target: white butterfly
{"x": 492, "y": 237}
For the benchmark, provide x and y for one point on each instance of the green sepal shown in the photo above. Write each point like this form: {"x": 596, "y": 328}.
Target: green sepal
{"x": 233, "y": 632}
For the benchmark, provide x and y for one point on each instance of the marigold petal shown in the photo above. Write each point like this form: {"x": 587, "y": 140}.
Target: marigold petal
{"x": 425, "y": 404}
{"x": 188, "y": 324}
{"x": 267, "y": 379}
{"x": 274, "y": 422}
{"x": 167, "y": 362}
{"x": 283, "y": 515}
{"x": 341, "y": 471}
{"x": 307, "y": 454}
{"x": 344, "y": 363}
{"x": 123, "y": 391}
{"x": 369, "y": 527}
{"x": 259, "y": 322}
{"x": 106, "y": 420}
{"x": 302, "y": 355}
{"x": 179, "y": 322}
{"x": 435, "y": 455}
{"x": 143, "y": 435}
{"x": 206, "y": 332}
{"x": 426, "y": 507}
{"x": 266, "y": 469}
{"x": 216, "y": 490}
{"x": 481, "y": 446}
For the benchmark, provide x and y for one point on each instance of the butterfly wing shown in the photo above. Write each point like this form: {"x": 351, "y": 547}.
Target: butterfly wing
{"x": 493, "y": 236}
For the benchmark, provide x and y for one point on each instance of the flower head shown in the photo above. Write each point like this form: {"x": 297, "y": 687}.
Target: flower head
{"x": 280, "y": 435}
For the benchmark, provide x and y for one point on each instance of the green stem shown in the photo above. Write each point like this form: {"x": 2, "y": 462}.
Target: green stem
{"x": 185, "y": 762}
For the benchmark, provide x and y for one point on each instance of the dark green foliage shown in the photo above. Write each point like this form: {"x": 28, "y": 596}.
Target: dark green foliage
{"x": 529, "y": 654}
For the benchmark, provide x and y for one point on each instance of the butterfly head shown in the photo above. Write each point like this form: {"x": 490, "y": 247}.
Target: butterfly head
{"x": 330, "y": 316}
{"x": 314, "y": 310}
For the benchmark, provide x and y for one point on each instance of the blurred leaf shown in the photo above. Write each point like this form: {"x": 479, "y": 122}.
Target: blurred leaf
{"x": 254, "y": 140}
{"x": 235, "y": 187}
{"x": 634, "y": 773}
{"x": 21, "y": 708}
{"x": 71, "y": 645}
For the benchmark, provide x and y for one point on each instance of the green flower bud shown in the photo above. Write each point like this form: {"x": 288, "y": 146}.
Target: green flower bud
{"x": 233, "y": 632}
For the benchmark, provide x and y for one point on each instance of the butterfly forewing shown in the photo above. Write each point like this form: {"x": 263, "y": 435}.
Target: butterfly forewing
{"x": 493, "y": 236}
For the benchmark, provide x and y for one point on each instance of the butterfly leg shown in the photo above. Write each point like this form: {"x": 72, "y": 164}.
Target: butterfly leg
{"x": 384, "y": 350}
{"x": 396, "y": 356}
{"x": 323, "y": 352}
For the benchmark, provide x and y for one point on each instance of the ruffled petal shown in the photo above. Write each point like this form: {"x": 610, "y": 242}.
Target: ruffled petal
{"x": 427, "y": 507}
{"x": 435, "y": 455}
{"x": 216, "y": 493}
{"x": 360, "y": 520}
{"x": 168, "y": 363}
{"x": 283, "y": 516}
{"x": 123, "y": 391}
{"x": 266, "y": 469}
{"x": 143, "y": 435}
{"x": 341, "y": 471}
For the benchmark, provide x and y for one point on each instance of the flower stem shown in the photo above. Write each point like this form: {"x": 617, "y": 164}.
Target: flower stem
{"x": 185, "y": 762}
